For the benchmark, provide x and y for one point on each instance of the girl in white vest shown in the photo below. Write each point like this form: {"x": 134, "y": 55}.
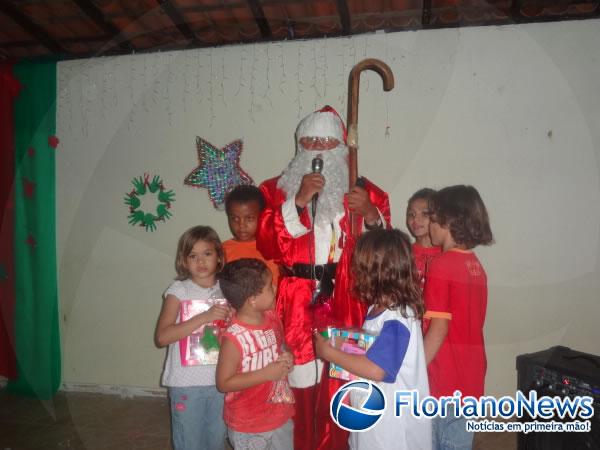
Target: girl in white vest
{"x": 385, "y": 278}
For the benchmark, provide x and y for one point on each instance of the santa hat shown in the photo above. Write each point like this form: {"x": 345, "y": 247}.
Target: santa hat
{"x": 325, "y": 122}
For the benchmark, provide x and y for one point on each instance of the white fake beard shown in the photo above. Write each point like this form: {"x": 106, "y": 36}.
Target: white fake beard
{"x": 335, "y": 172}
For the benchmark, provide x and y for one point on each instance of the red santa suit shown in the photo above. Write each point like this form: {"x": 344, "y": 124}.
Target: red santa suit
{"x": 286, "y": 235}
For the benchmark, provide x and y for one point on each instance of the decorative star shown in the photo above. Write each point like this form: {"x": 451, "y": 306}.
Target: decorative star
{"x": 218, "y": 170}
{"x": 53, "y": 141}
{"x": 31, "y": 241}
{"x": 28, "y": 187}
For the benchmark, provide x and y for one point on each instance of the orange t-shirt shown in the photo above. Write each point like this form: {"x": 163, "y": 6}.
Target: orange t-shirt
{"x": 238, "y": 250}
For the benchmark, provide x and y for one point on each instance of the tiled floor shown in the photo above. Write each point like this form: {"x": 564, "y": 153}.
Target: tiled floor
{"x": 103, "y": 422}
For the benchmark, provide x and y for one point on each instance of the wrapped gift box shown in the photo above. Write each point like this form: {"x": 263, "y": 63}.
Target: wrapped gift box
{"x": 202, "y": 346}
{"x": 349, "y": 340}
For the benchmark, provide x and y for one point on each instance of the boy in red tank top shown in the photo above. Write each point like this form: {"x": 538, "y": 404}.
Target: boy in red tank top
{"x": 455, "y": 306}
{"x": 252, "y": 368}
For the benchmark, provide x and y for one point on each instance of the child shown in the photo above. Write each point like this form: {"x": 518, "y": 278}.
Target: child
{"x": 251, "y": 361}
{"x": 417, "y": 221}
{"x": 196, "y": 405}
{"x": 382, "y": 265}
{"x": 243, "y": 206}
{"x": 456, "y": 300}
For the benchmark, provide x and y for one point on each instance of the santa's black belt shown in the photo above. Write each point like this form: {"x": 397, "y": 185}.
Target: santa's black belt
{"x": 324, "y": 274}
{"x": 321, "y": 271}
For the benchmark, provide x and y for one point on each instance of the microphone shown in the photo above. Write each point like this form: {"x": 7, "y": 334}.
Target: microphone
{"x": 317, "y": 167}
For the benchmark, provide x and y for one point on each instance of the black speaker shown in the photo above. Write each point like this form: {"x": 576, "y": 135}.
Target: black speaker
{"x": 560, "y": 371}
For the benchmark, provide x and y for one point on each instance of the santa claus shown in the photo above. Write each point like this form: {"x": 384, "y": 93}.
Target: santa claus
{"x": 314, "y": 246}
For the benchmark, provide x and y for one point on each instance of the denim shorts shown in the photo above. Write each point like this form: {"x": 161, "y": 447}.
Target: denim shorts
{"x": 197, "y": 418}
{"x": 450, "y": 433}
{"x": 278, "y": 439}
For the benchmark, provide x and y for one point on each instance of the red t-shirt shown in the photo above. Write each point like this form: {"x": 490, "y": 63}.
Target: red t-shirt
{"x": 249, "y": 410}
{"x": 456, "y": 288}
{"x": 423, "y": 256}
{"x": 237, "y": 250}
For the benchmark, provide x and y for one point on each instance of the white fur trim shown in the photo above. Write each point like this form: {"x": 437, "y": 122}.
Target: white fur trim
{"x": 383, "y": 222}
{"x": 303, "y": 375}
{"x": 321, "y": 124}
{"x": 291, "y": 219}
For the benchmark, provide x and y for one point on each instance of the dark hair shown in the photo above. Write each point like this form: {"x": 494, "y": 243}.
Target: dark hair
{"x": 385, "y": 273}
{"x": 242, "y": 279}
{"x": 244, "y": 193}
{"x": 187, "y": 242}
{"x": 462, "y": 209}
{"x": 424, "y": 194}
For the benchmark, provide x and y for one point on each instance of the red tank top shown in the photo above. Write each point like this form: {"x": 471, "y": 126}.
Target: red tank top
{"x": 249, "y": 410}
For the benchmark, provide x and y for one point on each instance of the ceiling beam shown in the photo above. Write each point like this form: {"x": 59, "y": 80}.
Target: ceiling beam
{"x": 344, "y": 13}
{"x": 66, "y": 41}
{"x": 261, "y": 20}
{"x": 198, "y": 44}
{"x": 33, "y": 29}
{"x": 426, "y": 16}
{"x": 515, "y": 11}
{"x": 98, "y": 17}
{"x": 177, "y": 19}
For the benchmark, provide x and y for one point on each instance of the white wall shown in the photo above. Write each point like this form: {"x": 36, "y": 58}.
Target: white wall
{"x": 513, "y": 110}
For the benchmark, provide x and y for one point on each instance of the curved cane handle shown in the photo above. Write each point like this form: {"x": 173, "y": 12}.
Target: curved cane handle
{"x": 352, "y": 119}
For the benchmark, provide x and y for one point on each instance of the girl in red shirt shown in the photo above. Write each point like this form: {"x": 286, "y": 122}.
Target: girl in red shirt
{"x": 455, "y": 302}
{"x": 417, "y": 221}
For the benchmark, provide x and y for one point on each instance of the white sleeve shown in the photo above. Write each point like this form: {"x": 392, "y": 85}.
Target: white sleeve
{"x": 291, "y": 218}
{"x": 176, "y": 289}
{"x": 381, "y": 218}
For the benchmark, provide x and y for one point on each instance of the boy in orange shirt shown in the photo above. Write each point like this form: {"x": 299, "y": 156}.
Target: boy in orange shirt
{"x": 243, "y": 206}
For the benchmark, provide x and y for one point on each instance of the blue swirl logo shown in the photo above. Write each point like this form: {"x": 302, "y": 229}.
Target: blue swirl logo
{"x": 361, "y": 417}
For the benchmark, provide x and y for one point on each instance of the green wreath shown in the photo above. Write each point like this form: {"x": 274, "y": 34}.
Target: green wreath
{"x": 142, "y": 186}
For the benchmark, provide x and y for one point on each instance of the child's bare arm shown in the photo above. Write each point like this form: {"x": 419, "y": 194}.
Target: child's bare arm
{"x": 228, "y": 380}
{"x": 357, "y": 364}
{"x": 168, "y": 331}
{"x": 437, "y": 332}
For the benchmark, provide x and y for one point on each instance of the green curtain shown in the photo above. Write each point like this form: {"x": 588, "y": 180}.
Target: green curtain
{"x": 37, "y": 338}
